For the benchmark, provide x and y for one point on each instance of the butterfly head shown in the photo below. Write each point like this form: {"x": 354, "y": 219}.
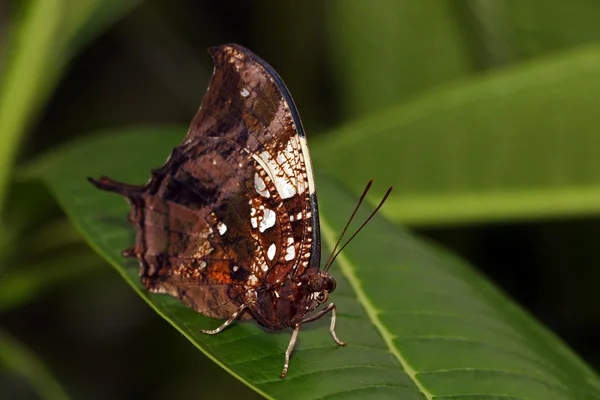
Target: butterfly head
{"x": 319, "y": 284}
{"x": 313, "y": 289}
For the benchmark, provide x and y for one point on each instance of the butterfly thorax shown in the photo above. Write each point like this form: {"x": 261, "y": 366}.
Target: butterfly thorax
{"x": 288, "y": 304}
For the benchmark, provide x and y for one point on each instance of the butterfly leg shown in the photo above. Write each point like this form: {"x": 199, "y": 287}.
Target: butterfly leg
{"x": 315, "y": 316}
{"x": 225, "y": 324}
{"x": 289, "y": 350}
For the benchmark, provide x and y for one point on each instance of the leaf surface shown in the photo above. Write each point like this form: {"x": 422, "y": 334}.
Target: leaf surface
{"x": 388, "y": 51}
{"x": 520, "y": 143}
{"x": 420, "y": 323}
{"x": 21, "y": 361}
{"x": 43, "y": 38}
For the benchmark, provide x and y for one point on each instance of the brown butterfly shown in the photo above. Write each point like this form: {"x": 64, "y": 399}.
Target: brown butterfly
{"x": 230, "y": 224}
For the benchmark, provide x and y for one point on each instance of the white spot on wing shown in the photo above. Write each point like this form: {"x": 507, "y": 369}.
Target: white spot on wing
{"x": 307, "y": 163}
{"x": 268, "y": 220}
{"x": 235, "y": 268}
{"x": 244, "y": 92}
{"x": 202, "y": 264}
{"x": 270, "y": 254}
{"x": 290, "y": 158}
{"x": 290, "y": 253}
{"x": 252, "y": 279}
{"x": 281, "y": 160}
{"x": 254, "y": 222}
{"x": 260, "y": 186}
{"x": 284, "y": 184}
{"x": 222, "y": 228}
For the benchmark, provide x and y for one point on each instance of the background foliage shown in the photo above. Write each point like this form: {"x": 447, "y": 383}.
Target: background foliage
{"x": 481, "y": 113}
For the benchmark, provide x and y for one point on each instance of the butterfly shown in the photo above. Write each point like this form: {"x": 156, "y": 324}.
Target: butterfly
{"x": 230, "y": 223}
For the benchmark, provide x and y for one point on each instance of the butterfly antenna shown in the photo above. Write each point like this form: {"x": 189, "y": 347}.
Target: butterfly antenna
{"x": 348, "y": 223}
{"x": 335, "y": 253}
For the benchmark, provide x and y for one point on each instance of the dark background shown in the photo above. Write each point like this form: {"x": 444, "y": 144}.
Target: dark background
{"x": 150, "y": 68}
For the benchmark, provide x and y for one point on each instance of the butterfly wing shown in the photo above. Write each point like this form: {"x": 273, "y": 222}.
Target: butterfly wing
{"x": 248, "y": 104}
{"x": 233, "y": 210}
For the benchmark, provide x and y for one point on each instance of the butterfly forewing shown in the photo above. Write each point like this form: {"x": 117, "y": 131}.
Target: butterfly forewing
{"x": 233, "y": 210}
{"x": 248, "y": 104}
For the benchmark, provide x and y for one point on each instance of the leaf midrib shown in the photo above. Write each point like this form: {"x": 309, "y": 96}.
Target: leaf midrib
{"x": 346, "y": 267}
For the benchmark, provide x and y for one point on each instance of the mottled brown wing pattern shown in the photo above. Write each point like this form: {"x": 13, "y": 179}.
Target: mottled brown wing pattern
{"x": 229, "y": 224}
{"x": 247, "y": 103}
{"x": 196, "y": 240}
{"x": 181, "y": 243}
{"x": 229, "y": 214}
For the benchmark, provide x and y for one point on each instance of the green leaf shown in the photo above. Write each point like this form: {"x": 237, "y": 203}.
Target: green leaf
{"x": 18, "y": 359}
{"x": 539, "y": 27}
{"x": 24, "y": 282}
{"x": 388, "y": 51}
{"x": 520, "y": 143}
{"x": 44, "y": 36}
{"x": 421, "y": 324}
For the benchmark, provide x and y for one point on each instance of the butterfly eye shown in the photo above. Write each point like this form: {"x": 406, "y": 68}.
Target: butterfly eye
{"x": 322, "y": 297}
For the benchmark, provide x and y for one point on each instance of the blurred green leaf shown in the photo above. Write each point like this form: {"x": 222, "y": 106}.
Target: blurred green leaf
{"x": 388, "y": 51}
{"x": 19, "y": 286}
{"x": 28, "y": 205}
{"x": 420, "y": 323}
{"x": 14, "y": 357}
{"x": 272, "y": 19}
{"x": 538, "y": 27}
{"x": 44, "y": 36}
{"x": 520, "y": 143}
